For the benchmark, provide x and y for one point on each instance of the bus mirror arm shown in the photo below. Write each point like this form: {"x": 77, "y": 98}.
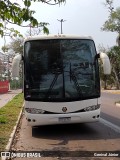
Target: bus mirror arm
{"x": 97, "y": 56}
{"x": 22, "y": 58}
{"x": 105, "y": 63}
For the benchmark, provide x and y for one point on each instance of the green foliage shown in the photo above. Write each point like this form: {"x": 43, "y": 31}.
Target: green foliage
{"x": 8, "y": 117}
{"x": 114, "y": 55}
{"x": 5, "y": 48}
{"x": 3, "y": 119}
{"x": 12, "y": 12}
{"x": 16, "y": 84}
{"x": 113, "y": 25}
{"x": 17, "y": 45}
{"x": 113, "y": 22}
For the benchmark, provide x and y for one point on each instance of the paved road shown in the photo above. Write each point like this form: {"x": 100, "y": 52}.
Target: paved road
{"x": 109, "y": 110}
{"x": 5, "y": 98}
{"x": 78, "y": 137}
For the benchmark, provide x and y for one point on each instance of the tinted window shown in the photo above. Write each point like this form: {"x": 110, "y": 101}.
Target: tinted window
{"x": 60, "y": 70}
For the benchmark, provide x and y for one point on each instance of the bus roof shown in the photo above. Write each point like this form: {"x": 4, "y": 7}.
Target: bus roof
{"x": 57, "y": 36}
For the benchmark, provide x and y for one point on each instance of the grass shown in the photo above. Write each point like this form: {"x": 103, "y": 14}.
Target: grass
{"x": 8, "y": 117}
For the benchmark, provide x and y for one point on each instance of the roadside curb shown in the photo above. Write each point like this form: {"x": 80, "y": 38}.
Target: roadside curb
{"x": 111, "y": 91}
{"x": 12, "y": 135}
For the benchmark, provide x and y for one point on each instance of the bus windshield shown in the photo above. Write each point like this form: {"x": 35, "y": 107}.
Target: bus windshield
{"x": 59, "y": 70}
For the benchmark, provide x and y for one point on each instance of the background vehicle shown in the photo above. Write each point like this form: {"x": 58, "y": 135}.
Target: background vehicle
{"x": 61, "y": 79}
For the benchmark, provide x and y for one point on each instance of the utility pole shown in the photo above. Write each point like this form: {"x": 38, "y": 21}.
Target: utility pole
{"x": 61, "y": 21}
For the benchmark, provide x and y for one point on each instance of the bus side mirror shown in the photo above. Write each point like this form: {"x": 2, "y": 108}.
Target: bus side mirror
{"x": 106, "y": 63}
{"x": 15, "y": 65}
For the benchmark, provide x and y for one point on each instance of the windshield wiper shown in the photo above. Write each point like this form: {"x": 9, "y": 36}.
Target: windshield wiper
{"x": 57, "y": 71}
{"x": 73, "y": 77}
{"x": 76, "y": 84}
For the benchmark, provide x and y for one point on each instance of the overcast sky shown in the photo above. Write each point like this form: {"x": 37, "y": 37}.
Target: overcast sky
{"x": 83, "y": 17}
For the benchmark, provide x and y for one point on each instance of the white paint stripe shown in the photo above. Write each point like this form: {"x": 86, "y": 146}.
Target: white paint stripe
{"x": 117, "y": 104}
{"x": 111, "y": 125}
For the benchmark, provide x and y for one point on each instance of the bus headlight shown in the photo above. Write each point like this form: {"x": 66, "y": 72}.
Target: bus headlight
{"x": 34, "y": 111}
{"x": 92, "y": 108}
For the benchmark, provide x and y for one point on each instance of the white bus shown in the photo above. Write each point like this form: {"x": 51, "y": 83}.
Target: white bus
{"x": 61, "y": 79}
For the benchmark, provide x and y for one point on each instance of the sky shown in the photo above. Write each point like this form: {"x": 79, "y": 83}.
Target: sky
{"x": 82, "y": 17}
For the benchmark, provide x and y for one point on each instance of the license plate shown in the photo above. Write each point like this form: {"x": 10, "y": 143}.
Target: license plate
{"x": 64, "y": 119}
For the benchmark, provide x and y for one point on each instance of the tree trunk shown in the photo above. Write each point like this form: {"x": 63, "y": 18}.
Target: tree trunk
{"x": 117, "y": 79}
{"x": 105, "y": 82}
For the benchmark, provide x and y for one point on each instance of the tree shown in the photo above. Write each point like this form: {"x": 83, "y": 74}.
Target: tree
{"x": 114, "y": 55}
{"x": 113, "y": 22}
{"x": 113, "y": 25}
{"x": 11, "y": 12}
{"x": 5, "y": 48}
{"x": 16, "y": 45}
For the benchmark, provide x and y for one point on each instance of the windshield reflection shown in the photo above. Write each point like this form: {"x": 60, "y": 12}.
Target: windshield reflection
{"x": 60, "y": 70}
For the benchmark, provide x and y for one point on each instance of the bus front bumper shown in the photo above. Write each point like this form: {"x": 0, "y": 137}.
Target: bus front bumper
{"x": 50, "y": 119}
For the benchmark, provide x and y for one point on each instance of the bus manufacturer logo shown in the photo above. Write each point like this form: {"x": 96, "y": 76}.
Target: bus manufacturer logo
{"x": 64, "y": 109}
